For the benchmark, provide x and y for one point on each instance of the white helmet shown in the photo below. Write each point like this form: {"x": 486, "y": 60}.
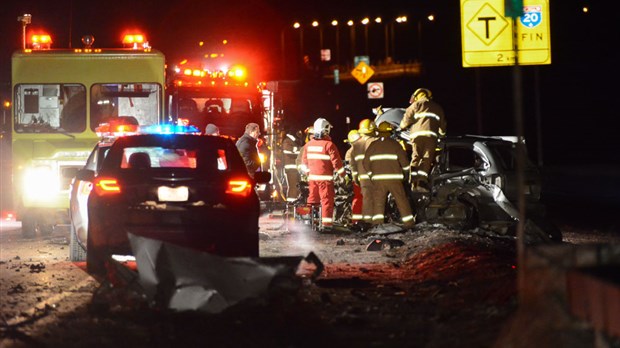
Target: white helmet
{"x": 322, "y": 126}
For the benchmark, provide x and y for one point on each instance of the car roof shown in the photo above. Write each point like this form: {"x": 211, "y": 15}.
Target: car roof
{"x": 180, "y": 138}
{"x": 471, "y": 139}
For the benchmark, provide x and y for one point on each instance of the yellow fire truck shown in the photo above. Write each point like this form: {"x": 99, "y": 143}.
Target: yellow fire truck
{"x": 59, "y": 97}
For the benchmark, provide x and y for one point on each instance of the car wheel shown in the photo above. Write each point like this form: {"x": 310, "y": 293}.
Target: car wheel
{"x": 76, "y": 250}
{"x": 95, "y": 257}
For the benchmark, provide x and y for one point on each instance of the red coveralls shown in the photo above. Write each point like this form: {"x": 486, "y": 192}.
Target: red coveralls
{"x": 322, "y": 158}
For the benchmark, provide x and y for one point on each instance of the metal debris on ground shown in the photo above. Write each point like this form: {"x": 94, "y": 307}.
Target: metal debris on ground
{"x": 379, "y": 244}
{"x": 181, "y": 279}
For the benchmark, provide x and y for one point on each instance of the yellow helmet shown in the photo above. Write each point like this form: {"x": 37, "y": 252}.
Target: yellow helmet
{"x": 385, "y": 128}
{"x": 425, "y": 91}
{"x": 353, "y": 136}
{"x": 309, "y": 133}
{"x": 367, "y": 127}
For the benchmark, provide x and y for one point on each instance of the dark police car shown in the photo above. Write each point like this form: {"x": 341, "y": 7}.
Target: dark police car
{"x": 187, "y": 189}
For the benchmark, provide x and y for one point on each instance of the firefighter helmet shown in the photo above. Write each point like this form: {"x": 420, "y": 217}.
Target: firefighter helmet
{"x": 309, "y": 133}
{"x": 322, "y": 126}
{"x": 385, "y": 128}
{"x": 425, "y": 91}
{"x": 367, "y": 127}
{"x": 353, "y": 136}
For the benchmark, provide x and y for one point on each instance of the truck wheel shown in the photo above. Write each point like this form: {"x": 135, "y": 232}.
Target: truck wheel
{"x": 45, "y": 229}
{"x": 29, "y": 226}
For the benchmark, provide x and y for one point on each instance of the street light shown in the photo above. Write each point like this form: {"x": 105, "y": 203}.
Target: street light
{"x": 429, "y": 18}
{"x": 297, "y": 26}
{"x": 335, "y": 25}
{"x": 351, "y": 25}
{"x": 317, "y": 25}
{"x": 365, "y": 22}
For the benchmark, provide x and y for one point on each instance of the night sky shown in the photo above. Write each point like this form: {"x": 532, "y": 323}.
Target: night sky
{"x": 577, "y": 91}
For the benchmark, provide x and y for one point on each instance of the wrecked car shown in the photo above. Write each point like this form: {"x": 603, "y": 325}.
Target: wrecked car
{"x": 183, "y": 188}
{"x": 474, "y": 183}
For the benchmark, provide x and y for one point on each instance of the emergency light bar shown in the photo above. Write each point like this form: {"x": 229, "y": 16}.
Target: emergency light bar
{"x": 41, "y": 41}
{"x": 169, "y": 129}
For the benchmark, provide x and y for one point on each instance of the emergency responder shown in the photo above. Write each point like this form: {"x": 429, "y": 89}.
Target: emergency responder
{"x": 322, "y": 158}
{"x": 302, "y": 169}
{"x": 290, "y": 151}
{"x": 386, "y": 164}
{"x": 426, "y": 122}
{"x": 367, "y": 130}
{"x": 212, "y": 129}
{"x": 247, "y": 146}
{"x": 356, "y": 203}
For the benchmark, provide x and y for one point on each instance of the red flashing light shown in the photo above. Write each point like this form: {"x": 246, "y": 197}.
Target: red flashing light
{"x": 130, "y": 39}
{"x": 118, "y": 130}
{"x": 41, "y": 41}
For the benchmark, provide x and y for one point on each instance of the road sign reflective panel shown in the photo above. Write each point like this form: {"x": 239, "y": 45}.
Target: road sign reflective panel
{"x": 487, "y": 35}
{"x": 362, "y": 72}
{"x": 375, "y": 90}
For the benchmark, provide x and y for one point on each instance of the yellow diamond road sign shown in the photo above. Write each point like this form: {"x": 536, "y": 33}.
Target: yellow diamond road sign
{"x": 487, "y": 36}
{"x": 362, "y": 72}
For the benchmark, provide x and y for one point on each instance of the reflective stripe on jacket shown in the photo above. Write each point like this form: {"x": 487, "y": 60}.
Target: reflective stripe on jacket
{"x": 322, "y": 158}
{"x": 358, "y": 153}
{"x": 386, "y": 160}
{"x": 424, "y": 117}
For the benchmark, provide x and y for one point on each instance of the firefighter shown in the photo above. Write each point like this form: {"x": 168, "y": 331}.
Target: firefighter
{"x": 322, "y": 158}
{"x": 386, "y": 164}
{"x": 290, "y": 151}
{"x": 356, "y": 205}
{"x": 367, "y": 130}
{"x": 301, "y": 168}
{"x": 426, "y": 122}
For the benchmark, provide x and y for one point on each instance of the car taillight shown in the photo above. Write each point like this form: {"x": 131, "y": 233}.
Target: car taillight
{"x": 239, "y": 187}
{"x": 106, "y": 186}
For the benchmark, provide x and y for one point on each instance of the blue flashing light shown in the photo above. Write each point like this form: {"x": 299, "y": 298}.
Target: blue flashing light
{"x": 170, "y": 129}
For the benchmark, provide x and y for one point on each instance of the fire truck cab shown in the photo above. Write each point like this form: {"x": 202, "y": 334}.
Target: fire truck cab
{"x": 59, "y": 97}
{"x": 211, "y": 90}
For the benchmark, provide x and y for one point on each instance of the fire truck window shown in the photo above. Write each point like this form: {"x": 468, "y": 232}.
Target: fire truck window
{"x": 50, "y": 108}
{"x": 240, "y": 105}
{"x": 213, "y": 106}
{"x": 73, "y": 116}
{"x": 111, "y": 100}
{"x": 187, "y": 107}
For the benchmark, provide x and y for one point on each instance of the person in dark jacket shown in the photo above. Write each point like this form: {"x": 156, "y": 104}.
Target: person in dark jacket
{"x": 247, "y": 147}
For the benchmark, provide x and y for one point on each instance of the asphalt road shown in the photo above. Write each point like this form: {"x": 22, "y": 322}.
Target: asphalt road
{"x": 441, "y": 288}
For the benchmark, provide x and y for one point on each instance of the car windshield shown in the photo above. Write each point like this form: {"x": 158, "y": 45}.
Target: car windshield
{"x": 506, "y": 154}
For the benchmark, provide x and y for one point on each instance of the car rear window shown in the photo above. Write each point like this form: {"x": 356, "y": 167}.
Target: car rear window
{"x": 174, "y": 157}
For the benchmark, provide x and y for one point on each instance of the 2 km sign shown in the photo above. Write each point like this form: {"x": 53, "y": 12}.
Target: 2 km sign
{"x": 487, "y": 35}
